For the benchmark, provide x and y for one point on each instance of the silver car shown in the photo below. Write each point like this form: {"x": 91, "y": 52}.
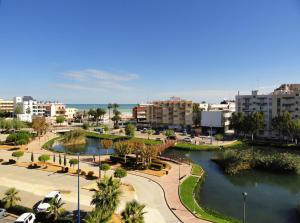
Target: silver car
{"x": 3, "y": 213}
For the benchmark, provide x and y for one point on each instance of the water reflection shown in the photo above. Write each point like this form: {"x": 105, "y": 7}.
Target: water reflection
{"x": 92, "y": 147}
{"x": 272, "y": 197}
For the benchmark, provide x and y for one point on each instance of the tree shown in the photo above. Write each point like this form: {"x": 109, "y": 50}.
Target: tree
{"x": 169, "y": 133}
{"x": 100, "y": 112}
{"x": 149, "y": 132}
{"x": 105, "y": 167}
{"x": 283, "y": 124}
{"x": 130, "y": 130}
{"x": 65, "y": 160}
{"x": 120, "y": 173}
{"x": 32, "y": 157}
{"x": 297, "y": 129}
{"x": 11, "y": 198}
{"x": 107, "y": 195}
{"x": 44, "y": 158}
{"x": 60, "y": 119}
{"x": 106, "y": 144}
{"x": 123, "y": 148}
{"x": 237, "y": 122}
{"x": 253, "y": 123}
{"x": 73, "y": 162}
{"x": 219, "y": 137}
{"x": 196, "y": 114}
{"x": 55, "y": 209}
{"x": 116, "y": 118}
{"x": 18, "y": 154}
{"x": 40, "y": 125}
{"x": 99, "y": 216}
{"x": 18, "y": 110}
{"x": 148, "y": 153}
{"x": 133, "y": 213}
{"x": 59, "y": 159}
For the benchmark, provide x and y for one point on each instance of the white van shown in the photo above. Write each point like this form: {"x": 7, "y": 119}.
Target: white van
{"x": 26, "y": 218}
{"x": 45, "y": 204}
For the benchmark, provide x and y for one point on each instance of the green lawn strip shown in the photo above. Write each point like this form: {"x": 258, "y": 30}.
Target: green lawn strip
{"x": 197, "y": 170}
{"x": 187, "y": 190}
{"x": 105, "y": 136}
{"x": 118, "y": 138}
{"x": 187, "y": 146}
{"x": 49, "y": 144}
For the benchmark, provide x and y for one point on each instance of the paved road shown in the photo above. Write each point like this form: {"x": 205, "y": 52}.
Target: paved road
{"x": 8, "y": 219}
{"x": 34, "y": 184}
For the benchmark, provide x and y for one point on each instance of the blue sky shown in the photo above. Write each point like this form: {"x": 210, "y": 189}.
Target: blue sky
{"x": 80, "y": 51}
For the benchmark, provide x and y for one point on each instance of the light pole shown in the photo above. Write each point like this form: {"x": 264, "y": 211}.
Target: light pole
{"x": 244, "y": 199}
{"x": 78, "y": 195}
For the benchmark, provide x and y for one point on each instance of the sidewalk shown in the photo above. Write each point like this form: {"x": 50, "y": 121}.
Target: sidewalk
{"x": 170, "y": 185}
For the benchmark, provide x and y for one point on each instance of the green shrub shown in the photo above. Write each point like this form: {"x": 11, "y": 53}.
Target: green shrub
{"x": 156, "y": 166}
{"x": 20, "y": 138}
{"x": 44, "y": 158}
{"x": 18, "y": 154}
{"x": 90, "y": 174}
{"x": 73, "y": 162}
{"x": 120, "y": 173}
{"x": 117, "y": 159}
{"x": 105, "y": 167}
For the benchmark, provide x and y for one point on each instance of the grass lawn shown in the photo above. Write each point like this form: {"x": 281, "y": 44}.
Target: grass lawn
{"x": 105, "y": 136}
{"x": 187, "y": 189}
{"x": 48, "y": 145}
{"x": 187, "y": 146}
{"x": 197, "y": 170}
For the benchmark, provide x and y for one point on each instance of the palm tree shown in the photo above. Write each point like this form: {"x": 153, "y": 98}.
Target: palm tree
{"x": 56, "y": 208}
{"x": 99, "y": 113}
{"x": 99, "y": 216}
{"x": 10, "y": 198}
{"x": 107, "y": 195}
{"x": 109, "y": 107}
{"x": 116, "y": 118}
{"x": 133, "y": 213}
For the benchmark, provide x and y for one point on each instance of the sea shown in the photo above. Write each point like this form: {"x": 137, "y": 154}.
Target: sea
{"x": 123, "y": 108}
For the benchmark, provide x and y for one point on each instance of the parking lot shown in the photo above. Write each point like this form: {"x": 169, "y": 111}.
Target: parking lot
{"x": 8, "y": 219}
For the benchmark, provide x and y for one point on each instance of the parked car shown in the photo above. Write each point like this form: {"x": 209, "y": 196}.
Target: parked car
{"x": 3, "y": 213}
{"x": 184, "y": 132}
{"x": 188, "y": 140}
{"x": 45, "y": 204}
{"x": 157, "y": 132}
{"x": 144, "y": 130}
{"x": 26, "y": 218}
{"x": 158, "y": 139}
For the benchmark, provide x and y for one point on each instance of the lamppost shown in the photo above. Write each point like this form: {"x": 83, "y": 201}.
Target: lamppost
{"x": 78, "y": 195}
{"x": 244, "y": 199}
{"x": 179, "y": 164}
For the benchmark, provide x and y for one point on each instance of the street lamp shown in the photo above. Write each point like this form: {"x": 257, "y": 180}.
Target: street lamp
{"x": 244, "y": 199}
{"x": 78, "y": 190}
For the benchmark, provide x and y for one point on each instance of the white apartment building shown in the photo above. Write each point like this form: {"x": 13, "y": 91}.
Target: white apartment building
{"x": 216, "y": 117}
{"x": 286, "y": 98}
{"x": 30, "y": 108}
{"x": 70, "y": 113}
{"x": 256, "y": 102}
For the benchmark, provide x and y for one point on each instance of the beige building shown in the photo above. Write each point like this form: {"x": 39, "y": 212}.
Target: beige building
{"x": 256, "y": 102}
{"x": 286, "y": 98}
{"x": 175, "y": 113}
{"x": 6, "y": 105}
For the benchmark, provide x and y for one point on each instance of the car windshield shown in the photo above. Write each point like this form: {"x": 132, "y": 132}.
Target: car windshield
{"x": 47, "y": 200}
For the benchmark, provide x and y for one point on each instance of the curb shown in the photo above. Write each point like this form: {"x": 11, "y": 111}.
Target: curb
{"x": 163, "y": 192}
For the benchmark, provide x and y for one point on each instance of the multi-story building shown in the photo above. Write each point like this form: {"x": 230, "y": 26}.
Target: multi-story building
{"x": 139, "y": 113}
{"x": 286, "y": 98}
{"x": 6, "y": 106}
{"x": 70, "y": 113}
{"x": 30, "y": 108}
{"x": 175, "y": 113}
{"x": 256, "y": 102}
{"x": 216, "y": 117}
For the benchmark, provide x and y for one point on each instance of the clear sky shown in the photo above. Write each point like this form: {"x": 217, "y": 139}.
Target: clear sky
{"x": 128, "y": 51}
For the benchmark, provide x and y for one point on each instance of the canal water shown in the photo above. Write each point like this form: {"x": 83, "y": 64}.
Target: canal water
{"x": 271, "y": 197}
{"x": 92, "y": 147}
